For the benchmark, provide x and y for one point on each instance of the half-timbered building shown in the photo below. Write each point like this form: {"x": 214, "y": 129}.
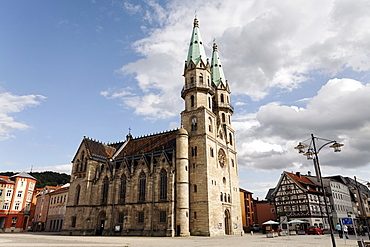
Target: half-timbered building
{"x": 300, "y": 197}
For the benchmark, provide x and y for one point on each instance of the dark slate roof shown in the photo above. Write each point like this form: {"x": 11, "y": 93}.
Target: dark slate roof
{"x": 136, "y": 146}
{"x": 24, "y": 175}
{"x": 269, "y": 194}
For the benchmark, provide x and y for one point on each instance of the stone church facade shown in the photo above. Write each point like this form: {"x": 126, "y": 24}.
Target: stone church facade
{"x": 176, "y": 183}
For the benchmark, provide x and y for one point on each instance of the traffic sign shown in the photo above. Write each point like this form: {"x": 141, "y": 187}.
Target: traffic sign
{"x": 347, "y": 221}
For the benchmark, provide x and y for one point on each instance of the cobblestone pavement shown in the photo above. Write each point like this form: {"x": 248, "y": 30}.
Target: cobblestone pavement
{"x": 256, "y": 240}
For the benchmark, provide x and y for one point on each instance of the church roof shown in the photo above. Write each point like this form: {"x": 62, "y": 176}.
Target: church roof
{"x": 196, "y": 49}
{"x": 218, "y": 75}
{"x": 135, "y": 146}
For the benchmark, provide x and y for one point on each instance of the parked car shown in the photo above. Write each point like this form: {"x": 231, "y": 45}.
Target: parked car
{"x": 351, "y": 230}
{"x": 314, "y": 230}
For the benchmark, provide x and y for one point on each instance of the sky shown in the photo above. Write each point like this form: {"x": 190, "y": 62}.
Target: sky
{"x": 100, "y": 69}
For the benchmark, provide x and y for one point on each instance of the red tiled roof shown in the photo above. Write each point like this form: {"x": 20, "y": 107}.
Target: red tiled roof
{"x": 302, "y": 181}
{"x": 6, "y": 179}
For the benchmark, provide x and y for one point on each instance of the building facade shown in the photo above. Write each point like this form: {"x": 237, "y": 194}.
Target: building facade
{"x": 360, "y": 195}
{"x": 176, "y": 183}
{"x": 340, "y": 199}
{"x": 16, "y": 194}
{"x": 247, "y": 207}
{"x": 299, "y": 197}
{"x": 57, "y": 208}
{"x": 42, "y": 208}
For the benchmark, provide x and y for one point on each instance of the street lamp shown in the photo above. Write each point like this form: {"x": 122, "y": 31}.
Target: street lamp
{"x": 312, "y": 154}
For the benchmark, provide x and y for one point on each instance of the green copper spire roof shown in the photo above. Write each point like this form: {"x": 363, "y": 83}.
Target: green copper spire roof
{"x": 216, "y": 67}
{"x": 196, "y": 48}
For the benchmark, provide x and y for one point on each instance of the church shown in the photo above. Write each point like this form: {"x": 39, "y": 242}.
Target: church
{"x": 176, "y": 183}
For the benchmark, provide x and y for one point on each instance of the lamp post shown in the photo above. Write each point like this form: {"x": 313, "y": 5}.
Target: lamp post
{"x": 312, "y": 154}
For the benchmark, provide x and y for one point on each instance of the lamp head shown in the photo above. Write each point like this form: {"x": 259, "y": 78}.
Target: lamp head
{"x": 300, "y": 148}
{"x": 337, "y": 146}
{"x": 309, "y": 154}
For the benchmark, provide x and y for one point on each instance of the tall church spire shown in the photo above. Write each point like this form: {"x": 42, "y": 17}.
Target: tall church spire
{"x": 196, "y": 48}
{"x": 216, "y": 67}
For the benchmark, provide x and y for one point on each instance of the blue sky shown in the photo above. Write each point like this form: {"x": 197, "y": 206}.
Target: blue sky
{"x": 70, "y": 69}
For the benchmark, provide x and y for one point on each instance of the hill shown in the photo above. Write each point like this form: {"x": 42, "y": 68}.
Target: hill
{"x": 47, "y": 178}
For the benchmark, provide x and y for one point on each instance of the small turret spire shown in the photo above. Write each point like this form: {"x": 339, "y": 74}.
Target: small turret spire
{"x": 218, "y": 75}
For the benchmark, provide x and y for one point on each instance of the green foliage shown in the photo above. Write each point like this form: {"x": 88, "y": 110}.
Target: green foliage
{"x": 47, "y": 178}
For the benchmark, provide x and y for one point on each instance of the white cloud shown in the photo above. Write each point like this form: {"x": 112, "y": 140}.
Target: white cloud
{"x": 265, "y": 47}
{"x": 339, "y": 112}
{"x": 8, "y": 164}
{"x": 132, "y": 8}
{"x": 57, "y": 168}
{"x": 10, "y": 104}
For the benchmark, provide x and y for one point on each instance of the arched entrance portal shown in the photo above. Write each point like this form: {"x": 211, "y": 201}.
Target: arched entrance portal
{"x": 227, "y": 222}
{"x": 100, "y": 223}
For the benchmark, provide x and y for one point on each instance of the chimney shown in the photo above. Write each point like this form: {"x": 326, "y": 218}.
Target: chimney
{"x": 298, "y": 174}
{"x": 309, "y": 173}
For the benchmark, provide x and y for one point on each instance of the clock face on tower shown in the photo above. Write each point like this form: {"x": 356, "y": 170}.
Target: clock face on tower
{"x": 221, "y": 157}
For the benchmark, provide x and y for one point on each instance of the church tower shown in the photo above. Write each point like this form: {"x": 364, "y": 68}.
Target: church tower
{"x": 214, "y": 203}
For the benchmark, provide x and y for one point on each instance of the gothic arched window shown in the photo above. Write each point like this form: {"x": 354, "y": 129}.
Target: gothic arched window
{"x": 192, "y": 101}
{"x": 194, "y": 124}
{"x": 77, "y": 168}
{"x": 194, "y": 151}
{"x": 82, "y": 165}
{"x": 201, "y": 79}
{"x": 231, "y": 139}
{"x": 210, "y": 124}
{"x": 122, "y": 192}
{"x": 163, "y": 185}
{"x": 222, "y": 98}
{"x": 142, "y": 186}
{"x": 105, "y": 189}
{"x": 223, "y": 117}
{"x": 77, "y": 197}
